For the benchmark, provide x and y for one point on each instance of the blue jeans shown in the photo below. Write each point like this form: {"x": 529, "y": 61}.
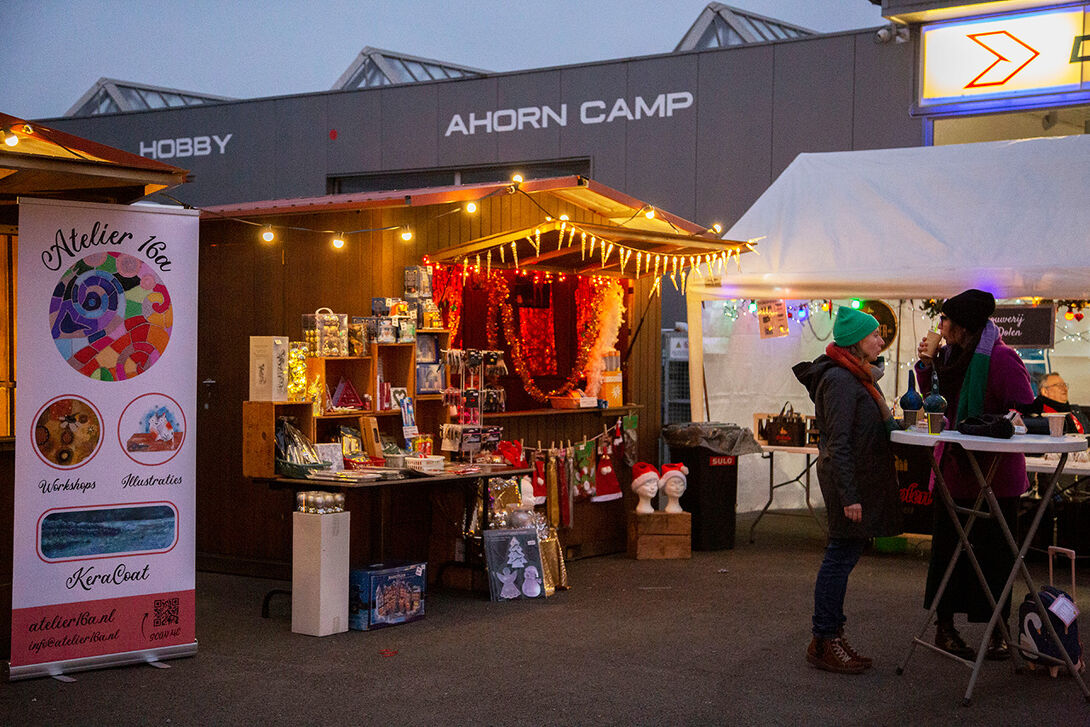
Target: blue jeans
{"x": 841, "y": 555}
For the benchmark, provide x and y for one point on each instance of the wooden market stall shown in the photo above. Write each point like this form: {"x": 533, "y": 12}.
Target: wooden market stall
{"x": 545, "y": 229}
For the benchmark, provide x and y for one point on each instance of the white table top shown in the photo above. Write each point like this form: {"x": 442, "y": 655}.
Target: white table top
{"x": 1048, "y": 466}
{"x": 1024, "y": 443}
{"x": 796, "y": 450}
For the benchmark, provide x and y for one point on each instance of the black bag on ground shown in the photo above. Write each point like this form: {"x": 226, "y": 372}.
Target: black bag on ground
{"x": 1033, "y": 635}
{"x": 786, "y": 429}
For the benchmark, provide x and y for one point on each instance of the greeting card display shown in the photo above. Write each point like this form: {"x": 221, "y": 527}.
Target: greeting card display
{"x": 514, "y": 564}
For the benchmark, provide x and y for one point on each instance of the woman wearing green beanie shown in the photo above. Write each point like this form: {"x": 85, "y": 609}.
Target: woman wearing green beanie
{"x": 855, "y": 472}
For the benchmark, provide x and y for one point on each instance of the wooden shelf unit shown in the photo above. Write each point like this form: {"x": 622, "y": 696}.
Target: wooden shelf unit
{"x": 397, "y": 362}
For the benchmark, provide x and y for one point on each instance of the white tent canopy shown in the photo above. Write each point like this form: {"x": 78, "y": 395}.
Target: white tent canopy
{"x": 1011, "y": 217}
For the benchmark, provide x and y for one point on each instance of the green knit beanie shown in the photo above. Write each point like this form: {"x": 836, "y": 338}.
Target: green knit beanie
{"x": 852, "y": 326}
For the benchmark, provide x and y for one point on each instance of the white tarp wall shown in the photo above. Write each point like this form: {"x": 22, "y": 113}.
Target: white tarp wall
{"x": 1010, "y": 217}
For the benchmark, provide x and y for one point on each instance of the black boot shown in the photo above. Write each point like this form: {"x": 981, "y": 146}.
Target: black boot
{"x": 949, "y": 640}
{"x": 997, "y": 647}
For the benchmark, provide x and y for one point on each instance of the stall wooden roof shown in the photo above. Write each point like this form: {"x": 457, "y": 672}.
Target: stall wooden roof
{"x": 555, "y": 244}
{"x": 50, "y": 163}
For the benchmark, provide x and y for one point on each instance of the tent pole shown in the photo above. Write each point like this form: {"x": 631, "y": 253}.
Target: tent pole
{"x": 897, "y": 371}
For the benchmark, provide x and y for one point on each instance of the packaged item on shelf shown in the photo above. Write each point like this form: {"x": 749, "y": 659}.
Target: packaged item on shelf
{"x": 387, "y": 330}
{"x": 386, "y": 594}
{"x": 295, "y": 454}
{"x": 379, "y": 307}
{"x": 357, "y": 336}
{"x": 406, "y": 329}
{"x": 326, "y": 332}
{"x": 297, "y": 371}
{"x": 417, "y": 282}
{"x": 429, "y": 379}
{"x": 269, "y": 368}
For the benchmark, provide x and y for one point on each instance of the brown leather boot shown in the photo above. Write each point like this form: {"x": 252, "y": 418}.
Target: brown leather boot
{"x": 830, "y": 655}
{"x": 949, "y": 640}
{"x": 866, "y": 661}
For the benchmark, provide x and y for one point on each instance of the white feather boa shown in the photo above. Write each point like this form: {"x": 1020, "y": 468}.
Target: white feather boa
{"x": 609, "y": 325}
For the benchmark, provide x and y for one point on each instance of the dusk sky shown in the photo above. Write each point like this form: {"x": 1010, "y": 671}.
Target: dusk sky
{"x": 53, "y": 51}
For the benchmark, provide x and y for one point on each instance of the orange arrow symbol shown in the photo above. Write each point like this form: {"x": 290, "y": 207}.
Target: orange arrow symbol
{"x": 1011, "y": 45}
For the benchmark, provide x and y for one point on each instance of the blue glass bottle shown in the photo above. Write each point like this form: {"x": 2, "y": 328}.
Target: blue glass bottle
{"x": 935, "y": 401}
{"x": 911, "y": 399}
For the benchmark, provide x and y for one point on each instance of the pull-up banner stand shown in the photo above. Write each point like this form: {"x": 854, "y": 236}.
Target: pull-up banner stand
{"x": 105, "y": 465}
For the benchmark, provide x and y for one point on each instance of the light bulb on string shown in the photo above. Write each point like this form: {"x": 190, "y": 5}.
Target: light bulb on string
{"x": 471, "y": 207}
{"x": 650, "y": 213}
{"x": 267, "y": 234}
{"x": 856, "y": 303}
{"x": 9, "y": 136}
{"x": 338, "y": 240}
{"x": 406, "y": 234}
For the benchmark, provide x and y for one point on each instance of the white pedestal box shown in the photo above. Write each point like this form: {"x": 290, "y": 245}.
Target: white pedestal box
{"x": 319, "y": 573}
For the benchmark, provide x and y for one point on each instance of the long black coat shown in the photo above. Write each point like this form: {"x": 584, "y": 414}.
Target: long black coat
{"x": 854, "y": 460}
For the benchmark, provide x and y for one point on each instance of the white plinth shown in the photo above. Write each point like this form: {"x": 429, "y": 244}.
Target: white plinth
{"x": 319, "y": 573}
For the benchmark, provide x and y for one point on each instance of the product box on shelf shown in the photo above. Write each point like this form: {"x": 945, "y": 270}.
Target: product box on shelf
{"x": 386, "y": 594}
{"x": 268, "y": 368}
{"x": 611, "y": 389}
{"x": 326, "y": 332}
{"x": 417, "y": 282}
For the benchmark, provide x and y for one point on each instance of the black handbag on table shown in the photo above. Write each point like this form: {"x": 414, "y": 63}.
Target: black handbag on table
{"x": 786, "y": 429}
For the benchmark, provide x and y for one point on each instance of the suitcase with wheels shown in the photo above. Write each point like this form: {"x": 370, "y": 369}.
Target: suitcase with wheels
{"x": 1034, "y": 637}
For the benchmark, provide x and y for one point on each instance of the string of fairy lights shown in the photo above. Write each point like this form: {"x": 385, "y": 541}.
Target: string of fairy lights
{"x": 594, "y": 248}
{"x": 803, "y": 315}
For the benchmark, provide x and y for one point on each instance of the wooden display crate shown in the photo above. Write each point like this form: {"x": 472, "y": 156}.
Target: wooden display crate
{"x": 660, "y": 535}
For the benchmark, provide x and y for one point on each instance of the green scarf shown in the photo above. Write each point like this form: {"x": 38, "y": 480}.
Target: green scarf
{"x": 971, "y": 399}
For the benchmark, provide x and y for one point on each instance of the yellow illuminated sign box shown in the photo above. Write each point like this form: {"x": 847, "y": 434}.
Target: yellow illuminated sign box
{"x": 1013, "y": 56}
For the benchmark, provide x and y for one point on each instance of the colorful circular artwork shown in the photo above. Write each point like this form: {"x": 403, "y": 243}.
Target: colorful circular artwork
{"x": 110, "y": 316}
{"x": 67, "y": 432}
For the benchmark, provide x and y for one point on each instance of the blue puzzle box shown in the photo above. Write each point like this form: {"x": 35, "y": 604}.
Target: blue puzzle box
{"x": 386, "y": 594}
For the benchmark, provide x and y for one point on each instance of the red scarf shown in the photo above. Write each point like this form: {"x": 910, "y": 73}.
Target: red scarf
{"x": 845, "y": 358}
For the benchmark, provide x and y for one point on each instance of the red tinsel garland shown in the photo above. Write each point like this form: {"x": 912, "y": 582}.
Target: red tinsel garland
{"x": 498, "y": 299}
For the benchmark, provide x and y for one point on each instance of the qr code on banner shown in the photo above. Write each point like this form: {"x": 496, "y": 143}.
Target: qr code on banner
{"x": 166, "y": 611}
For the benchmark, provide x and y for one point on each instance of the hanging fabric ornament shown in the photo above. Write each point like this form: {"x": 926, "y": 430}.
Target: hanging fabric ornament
{"x": 583, "y": 480}
{"x": 540, "y": 489}
{"x": 606, "y": 486}
{"x": 552, "y": 491}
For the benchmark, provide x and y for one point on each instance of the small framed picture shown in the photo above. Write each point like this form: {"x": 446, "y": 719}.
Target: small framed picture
{"x": 429, "y": 378}
{"x": 427, "y": 348}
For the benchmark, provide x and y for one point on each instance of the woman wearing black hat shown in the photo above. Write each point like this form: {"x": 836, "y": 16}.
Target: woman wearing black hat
{"x": 978, "y": 374}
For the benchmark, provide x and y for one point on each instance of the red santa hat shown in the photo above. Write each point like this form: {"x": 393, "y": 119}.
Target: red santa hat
{"x": 644, "y": 473}
{"x": 676, "y": 469}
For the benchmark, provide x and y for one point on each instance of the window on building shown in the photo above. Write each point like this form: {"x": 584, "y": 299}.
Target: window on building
{"x": 388, "y": 181}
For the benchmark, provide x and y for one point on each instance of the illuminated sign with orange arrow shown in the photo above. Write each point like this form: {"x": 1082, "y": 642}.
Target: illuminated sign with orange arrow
{"x": 1002, "y": 65}
{"x": 1004, "y": 57}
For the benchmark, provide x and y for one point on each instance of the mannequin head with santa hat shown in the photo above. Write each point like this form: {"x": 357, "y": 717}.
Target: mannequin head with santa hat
{"x": 645, "y": 483}
{"x": 673, "y": 482}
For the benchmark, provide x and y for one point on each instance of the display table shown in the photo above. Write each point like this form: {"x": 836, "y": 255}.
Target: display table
{"x": 802, "y": 479}
{"x": 470, "y": 483}
{"x": 1021, "y": 444}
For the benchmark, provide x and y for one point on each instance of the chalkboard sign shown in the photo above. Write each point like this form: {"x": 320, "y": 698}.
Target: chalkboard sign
{"x": 513, "y": 558}
{"x": 1026, "y": 326}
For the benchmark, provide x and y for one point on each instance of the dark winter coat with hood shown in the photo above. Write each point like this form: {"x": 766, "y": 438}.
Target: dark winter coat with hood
{"x": 854, "y": 460}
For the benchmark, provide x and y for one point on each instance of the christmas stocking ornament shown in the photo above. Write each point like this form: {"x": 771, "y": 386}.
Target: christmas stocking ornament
{"x": 606, "y": 485}
{"x": 673, "y": 482}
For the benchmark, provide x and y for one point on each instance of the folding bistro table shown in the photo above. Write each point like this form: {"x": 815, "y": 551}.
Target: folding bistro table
{"x": 802, "y": 479}
{"x": 1022, "y": 444}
